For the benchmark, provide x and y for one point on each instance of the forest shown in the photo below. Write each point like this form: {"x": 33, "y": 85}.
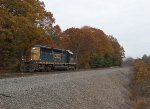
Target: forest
{"x": 25, "y": 23}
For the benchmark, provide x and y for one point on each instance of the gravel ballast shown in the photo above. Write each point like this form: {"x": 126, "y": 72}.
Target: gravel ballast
{"x": 93, "y": 89}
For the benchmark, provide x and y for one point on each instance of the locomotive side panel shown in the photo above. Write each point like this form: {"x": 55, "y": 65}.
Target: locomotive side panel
{"x": 60, "y": 59}
{"x": 46, "y": 55}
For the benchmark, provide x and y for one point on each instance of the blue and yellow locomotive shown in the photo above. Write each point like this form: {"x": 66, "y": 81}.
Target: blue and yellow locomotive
{"x": 44, "y": 58}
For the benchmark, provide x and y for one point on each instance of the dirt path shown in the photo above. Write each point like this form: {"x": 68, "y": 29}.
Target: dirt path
{"x": 94, "y": 89}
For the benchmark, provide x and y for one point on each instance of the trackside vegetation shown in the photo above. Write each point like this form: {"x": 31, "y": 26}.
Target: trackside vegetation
{"x": 25, "y": 23}
{"x": 142, "y": 83}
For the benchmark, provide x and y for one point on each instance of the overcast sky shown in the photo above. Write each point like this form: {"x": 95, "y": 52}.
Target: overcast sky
{"x": 127, "y": 20}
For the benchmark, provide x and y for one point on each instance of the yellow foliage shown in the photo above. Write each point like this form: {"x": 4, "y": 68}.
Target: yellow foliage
{"x": 142, "y": 73}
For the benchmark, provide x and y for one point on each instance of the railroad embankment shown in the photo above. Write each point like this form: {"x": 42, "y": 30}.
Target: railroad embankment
{"x": 93, "y": 89}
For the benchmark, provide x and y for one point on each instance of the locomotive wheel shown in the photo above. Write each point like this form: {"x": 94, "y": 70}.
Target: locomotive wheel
{"x": 49, "y": 68}
{"x": 23, "y": 67}
{"x": 32, "y": 68}
{"x": 67, "y": 68}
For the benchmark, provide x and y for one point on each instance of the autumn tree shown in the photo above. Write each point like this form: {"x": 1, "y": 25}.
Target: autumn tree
{"x": 102, "y": 50}
{"x": 23, "y": 23}
{"x": 92, "y": 47}
{"x": 80, "y": 42}
{"x": 118, "y": 51}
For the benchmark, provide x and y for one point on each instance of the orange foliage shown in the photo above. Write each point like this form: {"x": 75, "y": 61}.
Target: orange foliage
{"x": 88, "y": 43}
{"x": 142, "y": 73}
{"x": 80, "y": 43}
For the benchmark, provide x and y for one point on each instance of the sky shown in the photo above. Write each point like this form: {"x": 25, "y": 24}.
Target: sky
{"x": 127, "y": 20}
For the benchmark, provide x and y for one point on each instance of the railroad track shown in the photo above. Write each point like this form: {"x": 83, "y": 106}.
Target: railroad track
{"x": 20, "y": 74}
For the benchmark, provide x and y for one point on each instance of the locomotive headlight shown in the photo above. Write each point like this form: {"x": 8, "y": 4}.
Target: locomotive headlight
{"x": 33, "y": 48}
{"x": 31, "y": 59}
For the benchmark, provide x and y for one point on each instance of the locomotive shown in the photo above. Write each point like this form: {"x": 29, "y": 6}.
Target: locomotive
{"x": 44, "y": 58}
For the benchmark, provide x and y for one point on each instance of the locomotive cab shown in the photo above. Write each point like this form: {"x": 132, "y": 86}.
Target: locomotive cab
{"x": 35, "y": 53}
{"x": 28, "y": 65}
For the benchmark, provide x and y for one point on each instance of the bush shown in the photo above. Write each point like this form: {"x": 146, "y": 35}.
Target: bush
{"x": 141, "y": 88}
{"x": 142, "y": 73}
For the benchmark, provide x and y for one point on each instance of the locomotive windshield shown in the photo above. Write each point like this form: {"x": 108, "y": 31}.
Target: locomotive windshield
{"x": 35, "y": 53}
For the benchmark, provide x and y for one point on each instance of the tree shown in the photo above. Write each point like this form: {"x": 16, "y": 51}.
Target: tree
{"x": 145, "y": 58}
{"x": 80, "y": 43}
{"x": 129, "y": 61}
{"x": 118, "y": 51}
{"x": 92, "y": 47}
{"x": 23, "y": 23}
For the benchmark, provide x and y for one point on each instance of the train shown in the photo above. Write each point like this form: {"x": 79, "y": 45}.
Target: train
{"x": 44, "y": 58}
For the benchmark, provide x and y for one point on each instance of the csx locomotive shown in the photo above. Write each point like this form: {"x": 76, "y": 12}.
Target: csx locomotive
{"x": 44, "y": 58}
